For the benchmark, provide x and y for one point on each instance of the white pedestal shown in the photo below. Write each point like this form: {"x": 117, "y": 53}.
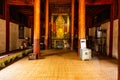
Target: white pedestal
{"x": 85, "y": 54}
{"x": 83, "y": 43}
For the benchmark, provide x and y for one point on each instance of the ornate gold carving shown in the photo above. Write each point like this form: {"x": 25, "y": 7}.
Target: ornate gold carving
{"x": 60, "y": 27}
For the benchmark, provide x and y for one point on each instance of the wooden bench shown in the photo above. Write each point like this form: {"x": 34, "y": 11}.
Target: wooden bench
{"x": 10, "y": 58}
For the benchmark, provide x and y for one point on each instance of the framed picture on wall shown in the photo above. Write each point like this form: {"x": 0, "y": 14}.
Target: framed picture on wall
{"x": 21, "y": 32}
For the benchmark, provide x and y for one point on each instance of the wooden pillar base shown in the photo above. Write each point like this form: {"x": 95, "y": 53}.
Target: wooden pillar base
{"x": 36, "y": 50}
{"x": 32, "y": 56}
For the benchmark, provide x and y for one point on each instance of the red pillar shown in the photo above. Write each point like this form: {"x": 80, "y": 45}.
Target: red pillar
{"x": 36, "y": 44}
{"x": 7, "y": 17}
{"x": 119, "y": 40}
{"x": 111, "y": 31}
{"x": 81, "y": 22}
{"x": 72, "y": 24}
{"x": 32, "y": 34}
{"x": 46, "y": 24}
{"x": 30, "y": 22}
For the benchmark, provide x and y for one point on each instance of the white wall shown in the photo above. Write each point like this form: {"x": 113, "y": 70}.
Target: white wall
{"x": 27, "y": 33}
{"x": 15, "y": 42}
{"x": 13, "y": 36}
{"x": 115, "y": 39}
{"x": 2, "y": 35}
{"x": 106, "y": 26}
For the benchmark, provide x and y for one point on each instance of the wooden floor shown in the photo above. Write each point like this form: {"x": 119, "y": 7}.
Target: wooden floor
{"x": 61, "y": 65}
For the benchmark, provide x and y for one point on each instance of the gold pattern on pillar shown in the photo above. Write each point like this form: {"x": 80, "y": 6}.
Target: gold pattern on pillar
{"x": 46, "y": 24}
{"x": 36, "y": 46}
{"x": 81, "y": 22}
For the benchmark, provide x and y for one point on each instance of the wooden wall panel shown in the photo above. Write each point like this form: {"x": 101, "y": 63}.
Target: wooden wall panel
{"x": 13, "y": 39}
{"x": 2, "y": 36}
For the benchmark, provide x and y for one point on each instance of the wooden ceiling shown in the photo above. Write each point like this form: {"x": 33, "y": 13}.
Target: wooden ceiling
{"x": 26, "y": 10}
{"x": 25, "y": 7}
{"x": 92, "y": 8}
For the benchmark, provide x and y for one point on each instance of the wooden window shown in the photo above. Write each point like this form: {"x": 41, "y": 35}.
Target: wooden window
{"x": 21, "y": 32}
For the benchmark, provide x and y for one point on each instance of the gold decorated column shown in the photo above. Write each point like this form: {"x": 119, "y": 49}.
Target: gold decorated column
{"x": 81, "y": 22}
{"x": 36, "y": 46}
{"x": 72, "y": 25}
{"x": 46, "y": 24}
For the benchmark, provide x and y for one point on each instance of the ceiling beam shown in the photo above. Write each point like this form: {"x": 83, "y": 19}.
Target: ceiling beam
{"x": 21, "y": 2}
{"x": 98, "y": 2}
{"x": 60, "y": 1}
